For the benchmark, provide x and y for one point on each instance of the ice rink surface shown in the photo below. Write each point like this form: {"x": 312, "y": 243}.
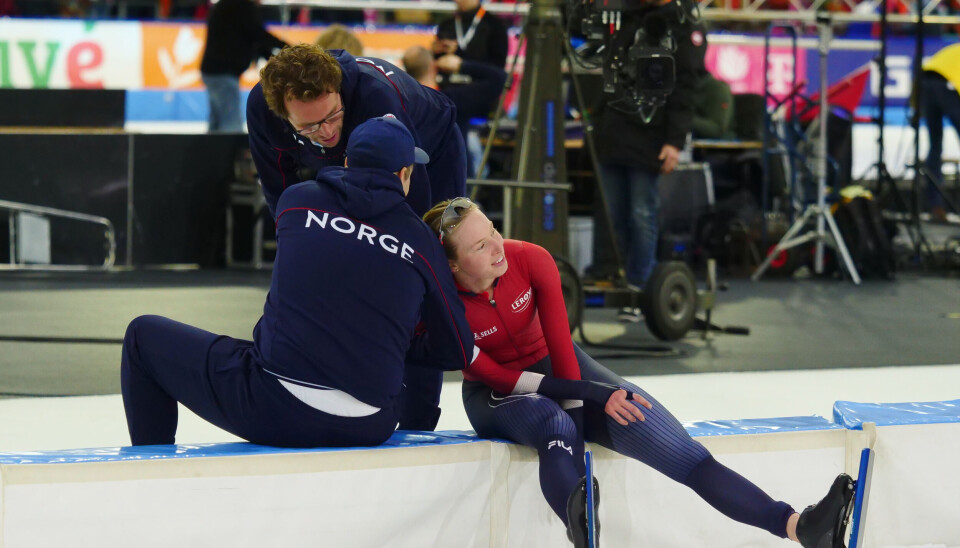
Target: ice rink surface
{"x": 97, "y": 421}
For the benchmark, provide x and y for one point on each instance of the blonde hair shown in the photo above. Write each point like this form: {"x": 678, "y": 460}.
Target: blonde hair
{"x": 337, "y": 36}
{"x": 416, "y": 61}
{"x": 303, "y": 72}
{"x": 434, "y": 217}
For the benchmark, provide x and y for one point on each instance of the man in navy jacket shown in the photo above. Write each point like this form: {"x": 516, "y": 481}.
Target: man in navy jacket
{"x": 361, "y": 287}
{"x": 308, "y": 102}
{"x": 301, "y": 115}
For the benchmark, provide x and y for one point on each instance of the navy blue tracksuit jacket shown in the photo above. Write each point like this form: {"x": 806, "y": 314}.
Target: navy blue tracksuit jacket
{"x": 356, "y": 272}
{"x": 371, "y": 87}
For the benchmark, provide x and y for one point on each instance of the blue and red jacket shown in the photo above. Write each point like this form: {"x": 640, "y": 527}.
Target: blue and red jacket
{"x": 522, "y": 320}
{"x": 356, "y": 271}
{"x": 371, "y": 87}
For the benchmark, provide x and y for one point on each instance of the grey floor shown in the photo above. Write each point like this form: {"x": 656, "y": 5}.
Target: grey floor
{"x": 59, "y": 333}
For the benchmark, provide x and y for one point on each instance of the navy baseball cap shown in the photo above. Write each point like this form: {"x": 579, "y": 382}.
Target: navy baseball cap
{"x": 383, "y": 143}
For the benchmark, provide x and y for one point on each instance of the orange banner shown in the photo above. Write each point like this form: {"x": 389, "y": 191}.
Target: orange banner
{"x": 172, "y": 52}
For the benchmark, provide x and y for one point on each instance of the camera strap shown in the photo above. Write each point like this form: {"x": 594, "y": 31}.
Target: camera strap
{"x": 463, "y": 40}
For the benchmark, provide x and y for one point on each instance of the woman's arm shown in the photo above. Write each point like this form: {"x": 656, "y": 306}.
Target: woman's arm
{"x": 613, "y": 399}
{"x": 545, "y": 281}
{"x": 488, "y": 371}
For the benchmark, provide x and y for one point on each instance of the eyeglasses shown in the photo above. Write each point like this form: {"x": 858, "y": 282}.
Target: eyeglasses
{"x": 310, "y": 130}
{"x": 453, "y": 214}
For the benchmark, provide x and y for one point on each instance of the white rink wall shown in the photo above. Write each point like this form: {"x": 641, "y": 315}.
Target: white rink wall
{"x": 453, "y": 490}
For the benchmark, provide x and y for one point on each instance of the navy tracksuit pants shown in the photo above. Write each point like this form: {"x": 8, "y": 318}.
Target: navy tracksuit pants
{"x": 660, "y": 442}
{"x": 221, "y": 379}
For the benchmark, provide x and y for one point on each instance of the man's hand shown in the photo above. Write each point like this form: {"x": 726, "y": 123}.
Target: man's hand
{"x": 449, "y": 63}
{"x": 622, "y": 410}
{"x": 443, "y": 46}
{"x": 669, "y": 155}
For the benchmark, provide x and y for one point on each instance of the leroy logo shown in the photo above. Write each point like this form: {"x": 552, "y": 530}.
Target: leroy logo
{"x": 522, "y": 302}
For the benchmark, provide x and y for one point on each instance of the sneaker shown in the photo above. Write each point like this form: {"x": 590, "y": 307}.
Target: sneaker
{"x": 628, "y": 314}
{"x": 823, "y": 524}
{"x": 577, "y": 514}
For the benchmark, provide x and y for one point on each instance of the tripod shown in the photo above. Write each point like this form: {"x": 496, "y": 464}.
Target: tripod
{"x": 819, "y": 211}
{"x": 886, "y": 185}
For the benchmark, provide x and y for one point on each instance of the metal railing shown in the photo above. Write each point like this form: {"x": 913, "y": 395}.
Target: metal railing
{"x": 508, "y": 186}
{"x": 15, "y": 264}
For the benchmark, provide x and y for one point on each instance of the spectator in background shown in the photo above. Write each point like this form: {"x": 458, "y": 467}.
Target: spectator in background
{"x": 337, "y": 36}
{"x": 476, "y": 36}
{"x": 713, "y": 109}
{"x": 472, "y": 34}
{"x": 473, "y": 100}
{"x": 235, "y": 37}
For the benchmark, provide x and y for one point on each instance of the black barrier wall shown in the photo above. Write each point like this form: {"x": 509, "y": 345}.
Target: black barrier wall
{"x": 83, "y": 173}
{"x": 100, "y": 108}
{"x": 175, "y": 191}
{"x": 180, "y": 191}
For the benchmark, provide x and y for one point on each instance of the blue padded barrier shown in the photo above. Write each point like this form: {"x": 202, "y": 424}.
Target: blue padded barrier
{"x": 759, "y": 426}
{"x": 155, "y": 452}
{"x": 852, "y": 415}
{"x": 399, "y": 439}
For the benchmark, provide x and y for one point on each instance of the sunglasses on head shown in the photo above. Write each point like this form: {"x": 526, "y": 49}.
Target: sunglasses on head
{"x": 453, "y": 214}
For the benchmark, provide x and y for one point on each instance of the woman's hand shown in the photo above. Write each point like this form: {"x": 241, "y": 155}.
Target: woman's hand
{"x": 623, "y": 410}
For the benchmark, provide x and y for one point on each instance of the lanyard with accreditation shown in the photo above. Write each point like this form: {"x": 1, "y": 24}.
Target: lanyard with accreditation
{"x": 463, "y": 40}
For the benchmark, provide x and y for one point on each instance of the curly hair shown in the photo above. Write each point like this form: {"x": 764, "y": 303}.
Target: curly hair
{"x": 303, "y": 72}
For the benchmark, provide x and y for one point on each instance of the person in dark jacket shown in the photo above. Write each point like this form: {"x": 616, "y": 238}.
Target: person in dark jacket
{"x": 309, "y": 100}
{"x": 473, "y": 34}
{"x": 302, "y": 113}
{"x": 327, "y": 359}
{"x": 235, "y": 37}
{"x": 475, "y": 99}
{"x": 634, "y": 152}
{"x": 713, "y": 111}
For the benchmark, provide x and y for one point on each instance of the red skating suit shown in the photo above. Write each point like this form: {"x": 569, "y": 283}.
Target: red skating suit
{"x": 523, "y": 321}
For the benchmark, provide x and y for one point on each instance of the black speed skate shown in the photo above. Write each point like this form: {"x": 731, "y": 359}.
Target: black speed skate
{"x": 823, "y": 524}
{"x": 577, "y": 514}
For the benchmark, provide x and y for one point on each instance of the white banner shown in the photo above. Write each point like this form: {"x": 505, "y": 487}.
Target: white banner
{"x": 70, "y": 54}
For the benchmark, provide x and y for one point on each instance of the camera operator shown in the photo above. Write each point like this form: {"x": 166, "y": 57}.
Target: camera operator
{"x": 634, "y": 147}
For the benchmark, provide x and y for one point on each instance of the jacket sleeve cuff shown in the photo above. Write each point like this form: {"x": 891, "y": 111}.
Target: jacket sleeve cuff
{"x": 528, "y": 383}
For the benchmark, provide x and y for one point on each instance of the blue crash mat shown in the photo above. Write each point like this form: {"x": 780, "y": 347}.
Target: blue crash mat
{"x": 758, "y": 426}
{"x": 852, "y": 415}
{"x": 400, "y": 438}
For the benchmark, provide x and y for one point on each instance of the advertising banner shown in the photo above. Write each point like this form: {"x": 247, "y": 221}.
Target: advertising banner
{"x": 172, "y": 52}
{"x": 899, "y": 82}
{"x": 70, "y": 54}
{"x": 741, "y": 66}
{"x": 50, "y": 53}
